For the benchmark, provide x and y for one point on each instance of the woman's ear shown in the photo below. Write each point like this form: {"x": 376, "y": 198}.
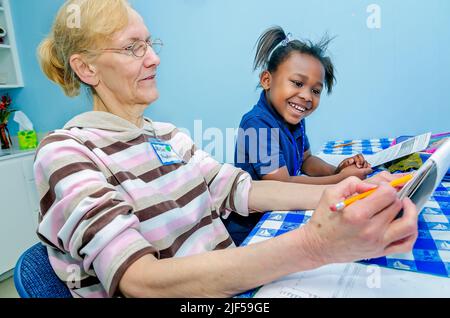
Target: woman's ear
{"x": 85, "y": 71}
{"x": 265, "y": 79}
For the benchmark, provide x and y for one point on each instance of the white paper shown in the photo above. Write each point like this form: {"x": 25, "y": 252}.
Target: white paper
{"x": 23, "y": 121}
{"x": 402, "y": 149}
{"x": 356, "y": 280}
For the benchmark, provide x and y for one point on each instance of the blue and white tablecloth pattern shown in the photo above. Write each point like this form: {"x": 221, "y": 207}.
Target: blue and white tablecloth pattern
{"x": 431, "y": 252}
{"x": 363, "y": 146}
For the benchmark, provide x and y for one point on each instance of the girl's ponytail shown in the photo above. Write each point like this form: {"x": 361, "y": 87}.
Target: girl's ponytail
{"x": 265, "y": 44}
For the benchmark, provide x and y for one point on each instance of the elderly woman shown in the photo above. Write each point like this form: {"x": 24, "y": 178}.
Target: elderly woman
{"x": 130, "y": 207}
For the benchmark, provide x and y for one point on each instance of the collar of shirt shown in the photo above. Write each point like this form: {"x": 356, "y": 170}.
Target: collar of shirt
{"x": 264, "y": 107}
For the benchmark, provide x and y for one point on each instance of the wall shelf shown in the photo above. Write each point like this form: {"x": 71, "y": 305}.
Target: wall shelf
{"x": 2, "y": 87}
{"x": 10, "y": 71}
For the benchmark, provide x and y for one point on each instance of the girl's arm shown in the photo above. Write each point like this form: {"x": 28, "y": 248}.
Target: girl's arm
{"x": 317, "y": 172}
{"x": 315, "y": 167}
{"x": 282, "y": 174}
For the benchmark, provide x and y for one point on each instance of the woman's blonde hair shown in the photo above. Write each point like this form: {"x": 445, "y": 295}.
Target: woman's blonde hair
{"x": 80, "y": 25}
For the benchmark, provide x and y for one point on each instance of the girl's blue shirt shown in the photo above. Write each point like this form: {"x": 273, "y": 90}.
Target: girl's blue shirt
{"x": 265, "y": 142}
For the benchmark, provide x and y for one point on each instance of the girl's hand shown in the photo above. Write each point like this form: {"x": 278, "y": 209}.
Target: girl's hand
{"x": 367, "y": 228}
{"x": 352, "y": 170}
{"x": 357, "y": 160}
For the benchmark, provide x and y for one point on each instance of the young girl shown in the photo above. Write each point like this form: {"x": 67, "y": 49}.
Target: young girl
{"x": 294, "y": 75}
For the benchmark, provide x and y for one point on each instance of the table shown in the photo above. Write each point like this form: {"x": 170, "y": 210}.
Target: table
{"x": 424, "y": 272}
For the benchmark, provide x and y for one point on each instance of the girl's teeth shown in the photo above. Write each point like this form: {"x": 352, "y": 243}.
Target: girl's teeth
{"x": 300, "y": 109}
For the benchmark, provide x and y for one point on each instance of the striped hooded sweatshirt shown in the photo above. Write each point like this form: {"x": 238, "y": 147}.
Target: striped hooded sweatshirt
{"x": 106, "y": 199}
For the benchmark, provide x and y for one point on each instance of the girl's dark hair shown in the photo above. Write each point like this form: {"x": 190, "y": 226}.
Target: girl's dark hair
{"x": 274, "y": 35}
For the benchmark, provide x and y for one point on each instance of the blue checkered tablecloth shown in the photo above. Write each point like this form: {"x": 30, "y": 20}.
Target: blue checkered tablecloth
{"x": 363, "y": 146}
{"x": 431, "y": 252}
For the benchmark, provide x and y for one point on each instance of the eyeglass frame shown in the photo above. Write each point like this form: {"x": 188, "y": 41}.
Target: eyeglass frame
{"x": 130, "y": 49}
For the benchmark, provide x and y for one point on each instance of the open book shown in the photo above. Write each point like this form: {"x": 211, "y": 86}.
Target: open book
{"x": 428, "y": 177}
{"x": 402, "y": 149}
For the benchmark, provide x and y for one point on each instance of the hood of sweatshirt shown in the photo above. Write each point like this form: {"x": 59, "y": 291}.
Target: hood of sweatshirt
{"x": 107, "y": 121}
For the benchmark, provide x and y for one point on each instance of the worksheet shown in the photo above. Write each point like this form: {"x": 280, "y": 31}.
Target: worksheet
{"x": 356, "y": 280}
{"x": 402, "y": 149}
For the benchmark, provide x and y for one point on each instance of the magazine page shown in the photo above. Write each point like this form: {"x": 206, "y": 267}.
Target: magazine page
{"x": 402, "y": 149}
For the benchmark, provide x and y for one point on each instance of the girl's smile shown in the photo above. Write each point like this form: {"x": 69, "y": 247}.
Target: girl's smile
{"x": 302, "y": 110}
{"x": 294, "y": 88}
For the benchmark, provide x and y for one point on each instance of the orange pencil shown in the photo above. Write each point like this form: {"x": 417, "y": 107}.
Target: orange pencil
{"x": 395, "y": 183}
{"x": 343, "y": 145}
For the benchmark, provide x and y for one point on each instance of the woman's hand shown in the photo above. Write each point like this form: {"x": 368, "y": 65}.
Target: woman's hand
{"x": 385, "y": 176}
{"x": 358, "y": 160}
{"x": 366, "y": 229}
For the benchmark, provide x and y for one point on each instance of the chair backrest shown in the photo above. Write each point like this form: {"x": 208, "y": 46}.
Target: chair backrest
{"x": 34, "y": 276}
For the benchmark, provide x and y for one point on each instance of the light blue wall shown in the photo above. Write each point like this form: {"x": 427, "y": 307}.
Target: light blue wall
{"x": 43, "y": 102}
{"x": 391, "y": 81}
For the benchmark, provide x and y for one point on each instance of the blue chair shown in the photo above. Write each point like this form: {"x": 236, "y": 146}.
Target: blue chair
{"x": 34, "y": 276}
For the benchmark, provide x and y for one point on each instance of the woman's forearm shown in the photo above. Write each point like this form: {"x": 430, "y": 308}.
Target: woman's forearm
{"x": 275, "y": 195}
{"x": 222, "y": 273}
{"x": 332, "y": 179}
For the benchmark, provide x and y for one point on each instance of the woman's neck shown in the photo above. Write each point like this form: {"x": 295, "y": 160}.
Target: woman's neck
{"x": 133, "y": 114}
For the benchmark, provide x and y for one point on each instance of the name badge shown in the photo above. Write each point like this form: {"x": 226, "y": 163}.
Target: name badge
{"x": 165, "y": 153}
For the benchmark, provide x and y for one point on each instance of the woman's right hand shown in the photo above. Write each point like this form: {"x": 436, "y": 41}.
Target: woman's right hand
{"x": 367, "y": 228}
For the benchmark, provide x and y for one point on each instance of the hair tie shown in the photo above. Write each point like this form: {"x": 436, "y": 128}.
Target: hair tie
{"x": 285, "y": 42}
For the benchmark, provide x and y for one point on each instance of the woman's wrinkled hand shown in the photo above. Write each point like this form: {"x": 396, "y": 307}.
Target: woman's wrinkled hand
{"x": 365, "y": 229}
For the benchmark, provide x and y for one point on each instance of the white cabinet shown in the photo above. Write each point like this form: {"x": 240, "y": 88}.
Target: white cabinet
{"x": 19, "y": 208}
{"x": 10, "y": 72}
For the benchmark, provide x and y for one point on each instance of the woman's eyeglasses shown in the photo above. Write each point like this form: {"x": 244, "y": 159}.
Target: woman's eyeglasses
{"x": 139, "y": 48}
